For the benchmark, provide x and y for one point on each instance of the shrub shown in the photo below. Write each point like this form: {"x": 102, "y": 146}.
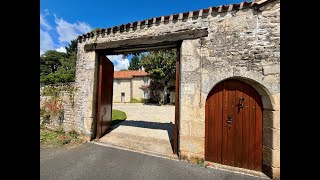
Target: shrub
{"x": 133, "y": 100}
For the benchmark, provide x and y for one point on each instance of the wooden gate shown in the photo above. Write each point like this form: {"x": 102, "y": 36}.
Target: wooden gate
{"x": 104, "y": 96}
{"x": 234, "y": 125}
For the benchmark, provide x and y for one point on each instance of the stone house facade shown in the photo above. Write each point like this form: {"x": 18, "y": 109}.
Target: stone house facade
{"x": 239, "y": 42}
{"x": 131, "y": 84}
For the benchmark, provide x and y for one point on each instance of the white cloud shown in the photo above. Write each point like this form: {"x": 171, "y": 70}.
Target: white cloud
{"x": 61, "y": 49}
{"x": 46, "y": 42}
{"x": 46, "y": 12}
{"x": 68, "y": 31}
{"x": 119, "y": 62}
{"x": 44, "y": 22}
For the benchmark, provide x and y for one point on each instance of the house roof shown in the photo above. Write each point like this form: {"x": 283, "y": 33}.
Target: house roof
{"x": 128, "y": 74}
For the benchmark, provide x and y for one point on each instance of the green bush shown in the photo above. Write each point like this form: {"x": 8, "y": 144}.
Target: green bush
{"x": 133, "y": 100}
{"x": 118, "y": 116}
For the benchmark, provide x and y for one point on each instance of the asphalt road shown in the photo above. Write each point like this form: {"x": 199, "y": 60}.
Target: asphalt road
{"x": 94, "y": 162}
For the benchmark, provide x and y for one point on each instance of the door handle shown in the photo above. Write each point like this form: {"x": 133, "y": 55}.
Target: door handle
{"x": 229, "y": 120}
{"x": 241, "y": 102}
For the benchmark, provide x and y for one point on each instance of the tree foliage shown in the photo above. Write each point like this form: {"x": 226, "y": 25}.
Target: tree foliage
{"x": 135, "y": 63}
{"x": 59, "y": 67}
{"x": 161, "y": 66}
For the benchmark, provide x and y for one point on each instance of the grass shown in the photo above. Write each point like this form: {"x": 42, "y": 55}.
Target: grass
{"x": 58, "y": 138}
{"x": 118, "y": 116}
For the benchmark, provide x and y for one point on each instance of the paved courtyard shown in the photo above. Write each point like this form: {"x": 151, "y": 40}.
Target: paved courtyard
{"x": 148, "y": 128}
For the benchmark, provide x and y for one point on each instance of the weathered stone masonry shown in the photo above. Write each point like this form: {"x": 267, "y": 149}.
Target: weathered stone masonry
{"x": 67, "y": 120}
{"x": 243, "y": 43}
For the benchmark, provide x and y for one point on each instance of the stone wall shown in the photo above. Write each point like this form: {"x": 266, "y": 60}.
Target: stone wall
{"x": 243, "y": 43}
{"x": 86, "y": 82}
{"x": 124, "y": 85}
{"x": 66, "y": 120}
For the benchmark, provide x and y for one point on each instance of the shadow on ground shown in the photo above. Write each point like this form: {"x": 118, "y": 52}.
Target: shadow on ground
{"x": 145, "y": 124}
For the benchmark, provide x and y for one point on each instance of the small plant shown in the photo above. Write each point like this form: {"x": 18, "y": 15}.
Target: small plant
{"x": 73, "y": 134}
{"x": 51, "y": 108}
{"x": 133, "y": 100}
{"x": 58, "y": 137}
{"x": 60, "y": 130}
{"x": 201, "y": 163}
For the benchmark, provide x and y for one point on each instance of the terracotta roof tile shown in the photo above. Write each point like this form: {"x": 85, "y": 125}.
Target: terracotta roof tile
{"x": 128, "y": 74}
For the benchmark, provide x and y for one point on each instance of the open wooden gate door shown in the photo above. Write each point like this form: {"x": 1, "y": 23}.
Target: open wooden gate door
{"x": 234, "y": 125}
{"x": 104, "y": 96}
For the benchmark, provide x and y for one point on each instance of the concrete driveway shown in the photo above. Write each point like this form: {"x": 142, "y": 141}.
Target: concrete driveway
{"x": 91, "y": 161}
{"x": 148, "y": 128}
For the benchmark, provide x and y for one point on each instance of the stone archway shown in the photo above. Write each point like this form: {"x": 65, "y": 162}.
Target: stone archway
{"x": 270, "y": 118}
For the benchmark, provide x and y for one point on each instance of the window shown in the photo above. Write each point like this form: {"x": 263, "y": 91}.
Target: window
{"x": 146, "y": 95}
{"x": 145, "y": 80}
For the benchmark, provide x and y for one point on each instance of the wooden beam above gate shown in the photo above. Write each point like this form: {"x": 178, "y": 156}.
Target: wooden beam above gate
{"x": 147, "y": 42}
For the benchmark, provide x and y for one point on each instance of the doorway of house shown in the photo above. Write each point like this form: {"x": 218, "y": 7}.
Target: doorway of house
{"x": 122, "y": 97}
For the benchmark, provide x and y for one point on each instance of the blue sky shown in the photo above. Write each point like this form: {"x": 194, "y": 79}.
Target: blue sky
{"x": 63, "y": 20}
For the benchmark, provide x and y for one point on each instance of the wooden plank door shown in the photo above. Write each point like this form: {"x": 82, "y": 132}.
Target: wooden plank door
{"x": 104, "y": 96}
{"x": 234, "y": 125}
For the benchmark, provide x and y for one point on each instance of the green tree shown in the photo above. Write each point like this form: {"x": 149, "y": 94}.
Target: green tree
{"x": 161, "y": 66}
{"x": 72, "y": 47}
{"x": 134, "y": 64}
{"x": 50, "y": 61}
{"x": 59, "y": 67}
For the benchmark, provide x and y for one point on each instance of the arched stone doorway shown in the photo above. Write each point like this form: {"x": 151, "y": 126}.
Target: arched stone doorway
{"x": 233, "y": 125}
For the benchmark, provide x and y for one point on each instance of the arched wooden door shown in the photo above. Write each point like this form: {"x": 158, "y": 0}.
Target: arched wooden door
{"x": 234, "y": 125}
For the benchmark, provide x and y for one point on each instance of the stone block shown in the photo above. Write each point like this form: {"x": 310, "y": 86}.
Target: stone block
{"x": 192, "y": 113}
{"x": 190, "y": 48}
{"x": 197, "y": 129}
{"x": 271, "y": 69}
{"x": 88, "y": 124}
{"x": 272, "y": 83}
{"x": 192, "y": 144}
{"x": 271, "y": 119}
{"x": 188, "y": 63}
{"x": 184, "y": 127}
{"x": 276, "y": 103}
{"x": 271, "y": 157}
{"x": 270, "y": 171}
{"x": 271, "y": 138}
{"x": 190, "y": 77}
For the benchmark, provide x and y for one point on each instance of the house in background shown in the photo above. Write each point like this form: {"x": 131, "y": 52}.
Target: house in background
{"x": 131, "y": 84}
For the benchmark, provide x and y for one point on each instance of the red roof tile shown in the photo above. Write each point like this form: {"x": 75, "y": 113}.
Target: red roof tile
{"x": 128, "y": 74}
